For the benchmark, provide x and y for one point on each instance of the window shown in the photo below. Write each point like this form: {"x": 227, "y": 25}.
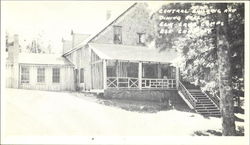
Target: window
{"x": 141, "y": 38}
{"x": 25, "y": 73}
{"x": 117, "y": 35}
{"x": 56, "y": 75}
{"x": 40, "y": 75}
{"x": 81, "y": 75}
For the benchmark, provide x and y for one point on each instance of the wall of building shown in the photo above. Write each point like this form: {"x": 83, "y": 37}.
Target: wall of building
{"x": 12, "y": 64}
{"x": 9, "y": 82}
{"x": 77, "y": 38}
{"x": 81, "y": 59}
{"x": 66, "y": 78}
{"x": 97, "y": 72}
{"x": 136, "y": 20}
{"x": 67, "y": 45}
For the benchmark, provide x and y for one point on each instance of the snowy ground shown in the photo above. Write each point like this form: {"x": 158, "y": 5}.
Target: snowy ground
{"x": 39, "y": 113}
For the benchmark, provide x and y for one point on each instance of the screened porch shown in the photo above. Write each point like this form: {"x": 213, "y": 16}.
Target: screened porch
{"x": 140, "y": 75}
{"x": 132, "y": 67}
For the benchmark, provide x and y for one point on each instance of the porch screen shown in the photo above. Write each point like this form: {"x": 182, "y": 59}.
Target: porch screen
{"x": 25, "y": 72}
{"x": 111, "y": 69}
{"x": 56, "y": 75}
{"x": 132, "y": 70}
{"x": 41, "y": 75}
{"x": 150, "y": 70}
{"x": 168, "y": 72}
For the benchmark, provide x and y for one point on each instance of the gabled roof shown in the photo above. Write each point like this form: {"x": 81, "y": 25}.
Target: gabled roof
{"x": 94, "y": 35}
{"x": 133, "y": 53}
{"x": 78, "y": 38}
{"x": 48, "y": 59}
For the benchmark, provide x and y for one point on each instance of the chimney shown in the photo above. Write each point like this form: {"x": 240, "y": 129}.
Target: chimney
{"x": 67, "y": 45}
{"x": 13, "y": 54}
{"x": 13, "y": 50}
{"x": 108, "y": 14}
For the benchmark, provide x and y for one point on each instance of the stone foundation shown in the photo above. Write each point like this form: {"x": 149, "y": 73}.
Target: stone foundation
{"x": 139, "y": 95}
{"x": 169, "y": 98}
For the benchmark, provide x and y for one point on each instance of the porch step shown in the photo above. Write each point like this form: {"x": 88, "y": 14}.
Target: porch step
{"x": 213, "y": 107}
{"x": 204, "y": 105}
{"x": 211, "y": 114}
{"x": 194, "y": 90}
{"x": 202, "y": 98}
{"x": 204, "y": 102}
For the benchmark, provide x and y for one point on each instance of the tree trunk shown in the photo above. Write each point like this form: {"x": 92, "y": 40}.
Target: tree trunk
{"x": 225, "y": 78}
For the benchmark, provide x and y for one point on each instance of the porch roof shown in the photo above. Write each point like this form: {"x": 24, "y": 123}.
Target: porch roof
{"x": 133, "y": 53}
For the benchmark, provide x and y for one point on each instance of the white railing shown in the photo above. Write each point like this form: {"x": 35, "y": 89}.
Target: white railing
{"x": 214, "y": 98}
{"x": 159, "y": 83}
{"x": 122, "y": 82}
{"x": 130, "y": 82}
{"x": 187, "y": 94}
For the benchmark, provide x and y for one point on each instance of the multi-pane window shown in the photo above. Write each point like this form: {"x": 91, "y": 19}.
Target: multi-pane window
{"x": 81, "y": 75}
{"x": 25, "y": 73}
{"x": 141, "y": 38}
{"x": 56, "y": 75}
{"x": 117, "y": 35}
{"x": 40, "y": 75}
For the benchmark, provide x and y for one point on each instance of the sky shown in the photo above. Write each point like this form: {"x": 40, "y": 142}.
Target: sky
{"x": 54, "y": 20}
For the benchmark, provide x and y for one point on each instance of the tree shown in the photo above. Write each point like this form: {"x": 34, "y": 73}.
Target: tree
{"x": 200, "y": 31}
{"x": 39, "y": 44}
{"x": 226, "y": 95}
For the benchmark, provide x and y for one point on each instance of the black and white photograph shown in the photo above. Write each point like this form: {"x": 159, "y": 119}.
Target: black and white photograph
{"x": 125, "y": 72}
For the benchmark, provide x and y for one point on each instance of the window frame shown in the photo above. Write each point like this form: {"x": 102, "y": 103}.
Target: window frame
{"x": 139, "y": 38}
{"x": 117, "y": 31}
{"x": 25, "y": 76}
{"x": 56, "y": 75}
{"x": 40, "y": 76}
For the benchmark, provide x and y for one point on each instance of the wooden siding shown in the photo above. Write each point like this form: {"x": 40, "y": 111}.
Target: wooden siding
{"x": 81, "y": 59}
{"x": 96, "y": 71}
{"x": 66, "y": 78}
{"x": 9, "y": 75}
{"x": 136, "y": 20}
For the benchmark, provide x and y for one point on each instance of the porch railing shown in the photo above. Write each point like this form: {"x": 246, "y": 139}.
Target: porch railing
{"x": 130, "y": 82}
{"x": 187, "y": 94}
{"x": 159, "y": 83}
{"x": 122, "y": 82}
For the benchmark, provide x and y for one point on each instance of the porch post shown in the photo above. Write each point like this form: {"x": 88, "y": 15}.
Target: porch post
{"x": 117, "y": 72}
{"x": 140, "y": 75}
{"x": 177, "y": 77}
{"x": 104, "y": 74}
{"x": 159, "y": 71}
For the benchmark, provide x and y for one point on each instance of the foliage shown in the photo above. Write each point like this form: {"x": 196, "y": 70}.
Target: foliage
{"x": 196, "y": 40}
{"x": 39, "y": 45}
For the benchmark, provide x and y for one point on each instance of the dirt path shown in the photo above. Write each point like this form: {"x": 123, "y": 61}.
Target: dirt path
{"x": 40, "y": 113}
